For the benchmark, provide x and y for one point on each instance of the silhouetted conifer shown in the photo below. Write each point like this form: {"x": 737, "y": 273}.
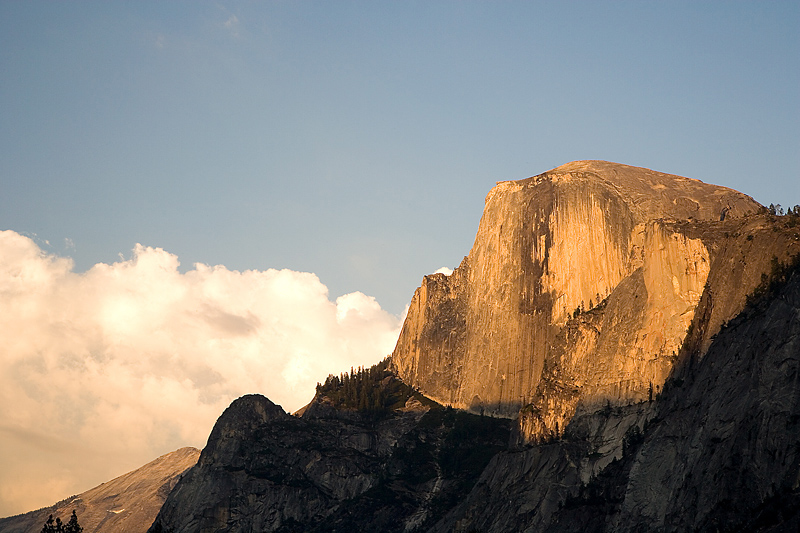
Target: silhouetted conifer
{"x": 73, "y": 526}
{"x": 361, "y": 389}
{"x": 57, "y": 526}
{"x": 49, "y": 525}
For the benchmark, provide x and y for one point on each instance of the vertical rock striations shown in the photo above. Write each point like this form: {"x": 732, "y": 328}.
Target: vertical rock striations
{"x": 717, "y": 450}
{"x": 582, "y": 282}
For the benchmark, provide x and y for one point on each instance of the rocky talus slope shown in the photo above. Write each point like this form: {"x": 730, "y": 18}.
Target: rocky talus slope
{"x": 125, "y": 504}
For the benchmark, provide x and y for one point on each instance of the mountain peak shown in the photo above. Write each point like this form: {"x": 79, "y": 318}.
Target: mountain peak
{"x": 649, "y": 194}
{"x": 555, "y": 245}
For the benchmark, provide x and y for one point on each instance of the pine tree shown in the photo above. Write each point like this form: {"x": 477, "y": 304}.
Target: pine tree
{"x": 57, "y": 526}
{"x": 48, "y": 526}
{"x": 73, "y": 526}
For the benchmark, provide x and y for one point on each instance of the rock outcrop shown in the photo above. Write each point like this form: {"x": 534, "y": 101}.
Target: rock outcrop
{"x": 126, "y": 504}
{"x": 580, "y": 289}
{"x": 333, "y": 469}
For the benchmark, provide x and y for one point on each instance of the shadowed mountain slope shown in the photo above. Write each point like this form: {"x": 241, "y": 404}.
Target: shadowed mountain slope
{"x": 339, "y": 467}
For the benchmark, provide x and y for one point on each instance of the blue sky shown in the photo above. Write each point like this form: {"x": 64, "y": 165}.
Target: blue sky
{"x": 357, "y": 140}
{"x": 352, "y": 140}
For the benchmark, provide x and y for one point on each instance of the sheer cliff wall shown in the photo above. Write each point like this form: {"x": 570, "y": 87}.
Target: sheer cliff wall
{"x": 579, "y": 289}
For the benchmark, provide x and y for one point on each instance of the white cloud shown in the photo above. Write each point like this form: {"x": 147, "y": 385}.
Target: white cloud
{"x": 232, "y": 25}
{"x": 105, "y": 370}
{"x": 444, "y": 270}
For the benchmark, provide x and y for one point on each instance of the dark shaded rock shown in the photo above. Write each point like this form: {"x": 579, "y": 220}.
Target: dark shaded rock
{"x": 332, "y": 469}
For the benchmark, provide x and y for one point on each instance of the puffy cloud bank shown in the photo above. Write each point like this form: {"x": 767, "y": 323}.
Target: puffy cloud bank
{"x": 105, "y": 370}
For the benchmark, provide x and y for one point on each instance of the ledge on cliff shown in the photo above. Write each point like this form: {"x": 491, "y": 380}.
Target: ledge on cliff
{"x": 365, "y": 395}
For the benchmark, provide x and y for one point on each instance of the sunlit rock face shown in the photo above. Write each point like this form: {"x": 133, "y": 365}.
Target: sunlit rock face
{"x": 579, "y": 290}
{"x": 121, "y": 505}
{"x": 717, "y": 450}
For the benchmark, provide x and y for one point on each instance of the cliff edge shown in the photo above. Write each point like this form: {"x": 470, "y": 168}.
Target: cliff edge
{"x": 580, "y": 289}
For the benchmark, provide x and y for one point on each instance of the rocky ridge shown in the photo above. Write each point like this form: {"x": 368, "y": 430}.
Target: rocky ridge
{"x": 715, "y": 450}
{"x": 128, "y": 503}
{"x": 334, "y": 468}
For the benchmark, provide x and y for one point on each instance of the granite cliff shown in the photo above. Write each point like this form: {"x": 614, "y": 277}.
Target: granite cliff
{"x": 580, "y": 289}
{"x": 717, "y": 450}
